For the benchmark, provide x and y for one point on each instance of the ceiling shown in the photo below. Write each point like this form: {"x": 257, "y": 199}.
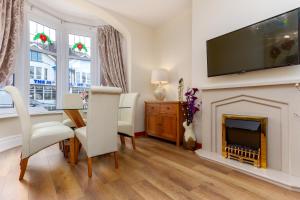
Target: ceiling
{"x": 149, "y": 12}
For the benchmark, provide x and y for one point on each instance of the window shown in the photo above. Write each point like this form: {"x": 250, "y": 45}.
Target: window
{"x": 78, "y": 77}
{"x": 38, "y": 74}
{"x": 79, "y": 63}
{"x": 31, "y": 72}
{"x": 45, "y": 74}
{"x": 43, "y": 65}
{"x": 5, "y": 99}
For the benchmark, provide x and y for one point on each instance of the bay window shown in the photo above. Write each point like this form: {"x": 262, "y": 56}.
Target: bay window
{"x": 60, "y": 58}
{"x": 56, "y": 58}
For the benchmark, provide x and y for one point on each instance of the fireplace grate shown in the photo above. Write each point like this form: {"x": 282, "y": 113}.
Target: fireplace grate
{"x": 243, "y": 154}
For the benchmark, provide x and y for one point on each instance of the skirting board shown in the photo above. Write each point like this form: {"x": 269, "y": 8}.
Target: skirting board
{"x": 10, "y": 142}
{"x": 272, "y": 176}
{"x": 140, "y": 134}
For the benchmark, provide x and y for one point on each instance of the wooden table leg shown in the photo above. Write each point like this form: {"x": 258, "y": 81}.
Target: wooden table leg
{"x": 76, "y": 118}
{"x": 72, "y": 150}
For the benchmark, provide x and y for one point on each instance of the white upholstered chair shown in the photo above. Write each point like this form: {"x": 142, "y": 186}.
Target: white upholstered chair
{"x": 39, "y": 136}
{"x": 71, "y": 101}
{"x": 100, "y": 135}
{"x": 127, "y": 116}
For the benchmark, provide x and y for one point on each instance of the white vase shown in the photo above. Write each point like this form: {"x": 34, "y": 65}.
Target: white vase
{"x": 189, "y": 139}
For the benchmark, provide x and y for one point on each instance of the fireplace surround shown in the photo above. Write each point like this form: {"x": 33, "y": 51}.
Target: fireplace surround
{"x": 279, "y": 103}
{"x": 244, "y": 138}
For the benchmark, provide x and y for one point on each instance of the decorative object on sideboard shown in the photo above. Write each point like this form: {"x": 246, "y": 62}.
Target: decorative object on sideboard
{"x": 193, "y": 105}
{"x": 180, "y": 90}
{"x": 85, "y": 99}
{"x": 159, "y": 78}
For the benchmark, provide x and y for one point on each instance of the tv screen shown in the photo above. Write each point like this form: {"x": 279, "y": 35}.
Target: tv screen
{"x": 267, "y": 44}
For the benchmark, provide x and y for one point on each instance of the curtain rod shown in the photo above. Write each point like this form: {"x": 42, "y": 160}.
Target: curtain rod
{"x": 56, "y": 17}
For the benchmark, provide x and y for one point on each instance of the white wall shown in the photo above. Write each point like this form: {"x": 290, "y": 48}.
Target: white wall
{"x": 174, "y": 50}
{"x": 212, "y": 18}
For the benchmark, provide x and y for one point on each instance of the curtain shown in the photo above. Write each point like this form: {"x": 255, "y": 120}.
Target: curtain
{"x": 11, "y": 18}
{"x": 112, "y": 66}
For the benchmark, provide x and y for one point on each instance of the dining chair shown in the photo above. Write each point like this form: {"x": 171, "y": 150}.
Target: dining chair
{"x": 39, "y": 136}
{"x": 99, "y": 136}
{"x": 127, "y": 117}
{"x": 71, "y": 101}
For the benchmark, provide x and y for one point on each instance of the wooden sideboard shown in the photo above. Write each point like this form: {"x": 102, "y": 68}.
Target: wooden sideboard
{"x": 164, "y": 120}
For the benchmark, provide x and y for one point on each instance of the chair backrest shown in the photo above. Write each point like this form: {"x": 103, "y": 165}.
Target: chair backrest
{"x": 128, "y": 114}
{"x": 23, "y": 116}
{"x": 71, "y": 101}
{"x": 102, "y": 120}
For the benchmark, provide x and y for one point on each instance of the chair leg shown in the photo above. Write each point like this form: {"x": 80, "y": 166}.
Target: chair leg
{"x": 64, "y": 146}
{"x": 61, "y": 145}
{"x": 133, "y": 142}
{"x": 72, "y": 150}
{"x": 90, "y": 167}
{"x": 116, "y": 160}
{"x": 79, "y": 147}
{"x": 76, "y": 144}
{"x": 23, "y": 166}
{"x": 122, "y": 138}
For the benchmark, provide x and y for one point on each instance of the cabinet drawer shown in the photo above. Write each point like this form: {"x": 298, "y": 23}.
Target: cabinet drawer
{"x": 152, "y": 108}
{"x": 168, "y": 108}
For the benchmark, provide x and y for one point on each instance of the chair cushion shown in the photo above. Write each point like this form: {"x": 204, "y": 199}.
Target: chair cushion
{"x": 70, "y": 123}
{"x": 81, "y": 135}
{"x": 46, "y": 124}
{"x": 125, "y": 128}
{"x": 46, "y": 136}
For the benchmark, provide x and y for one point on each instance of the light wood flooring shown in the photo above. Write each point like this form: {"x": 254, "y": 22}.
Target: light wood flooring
{"x": 156, "y": 170}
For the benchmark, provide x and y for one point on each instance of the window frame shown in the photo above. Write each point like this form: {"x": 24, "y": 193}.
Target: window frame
{"x": 63, "y": 29}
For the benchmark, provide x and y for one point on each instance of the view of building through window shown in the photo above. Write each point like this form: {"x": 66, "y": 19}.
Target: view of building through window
{"x": 43, "y": 66}
{"x": 79, "y": 63}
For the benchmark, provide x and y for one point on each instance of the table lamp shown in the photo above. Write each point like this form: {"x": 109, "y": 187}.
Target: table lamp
{"x": 159, "y": 77}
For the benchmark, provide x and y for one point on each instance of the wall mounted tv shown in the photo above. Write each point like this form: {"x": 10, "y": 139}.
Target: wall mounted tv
{"x": 268, "y": 44}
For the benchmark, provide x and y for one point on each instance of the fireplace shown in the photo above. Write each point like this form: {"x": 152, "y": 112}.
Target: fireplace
{"x": 244, "y": 139}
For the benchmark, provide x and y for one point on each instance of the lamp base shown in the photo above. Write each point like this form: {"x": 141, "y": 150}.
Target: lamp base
{"x": 160, "y": 93}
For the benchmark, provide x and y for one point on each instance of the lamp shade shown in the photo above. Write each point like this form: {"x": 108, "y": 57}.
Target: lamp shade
{"x": 159, "y": 76}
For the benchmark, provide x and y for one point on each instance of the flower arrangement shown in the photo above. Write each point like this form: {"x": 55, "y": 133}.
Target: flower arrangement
{"x": 192, "y": 105}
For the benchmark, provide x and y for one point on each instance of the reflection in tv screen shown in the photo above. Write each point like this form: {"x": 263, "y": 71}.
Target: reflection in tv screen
{"x": 267, "y": 44}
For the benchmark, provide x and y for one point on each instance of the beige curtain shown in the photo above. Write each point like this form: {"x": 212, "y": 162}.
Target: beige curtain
{"x": 11, "y": 17}
{"x": 112, "y": 66}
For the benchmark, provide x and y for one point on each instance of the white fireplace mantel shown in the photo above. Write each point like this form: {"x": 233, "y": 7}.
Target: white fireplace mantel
{"x": 280, "y": 103}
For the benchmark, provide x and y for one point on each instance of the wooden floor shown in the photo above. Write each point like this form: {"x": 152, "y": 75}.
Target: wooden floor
{"x": 156, "y": 170}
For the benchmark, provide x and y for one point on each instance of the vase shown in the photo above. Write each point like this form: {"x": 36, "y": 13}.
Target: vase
{"x": 189, "y": 138}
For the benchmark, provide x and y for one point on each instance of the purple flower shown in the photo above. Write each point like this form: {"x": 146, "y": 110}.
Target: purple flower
{"x": 192, "y": 106}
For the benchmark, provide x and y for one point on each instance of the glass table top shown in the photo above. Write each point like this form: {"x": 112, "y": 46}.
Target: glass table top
{"x": 83, "y": 109}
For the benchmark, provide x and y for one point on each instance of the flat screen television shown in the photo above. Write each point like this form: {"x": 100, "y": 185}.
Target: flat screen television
{"x": 267, "y": 44}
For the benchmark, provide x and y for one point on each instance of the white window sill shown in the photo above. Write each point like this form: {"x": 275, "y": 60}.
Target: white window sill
{"x": 11, "y": 112}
